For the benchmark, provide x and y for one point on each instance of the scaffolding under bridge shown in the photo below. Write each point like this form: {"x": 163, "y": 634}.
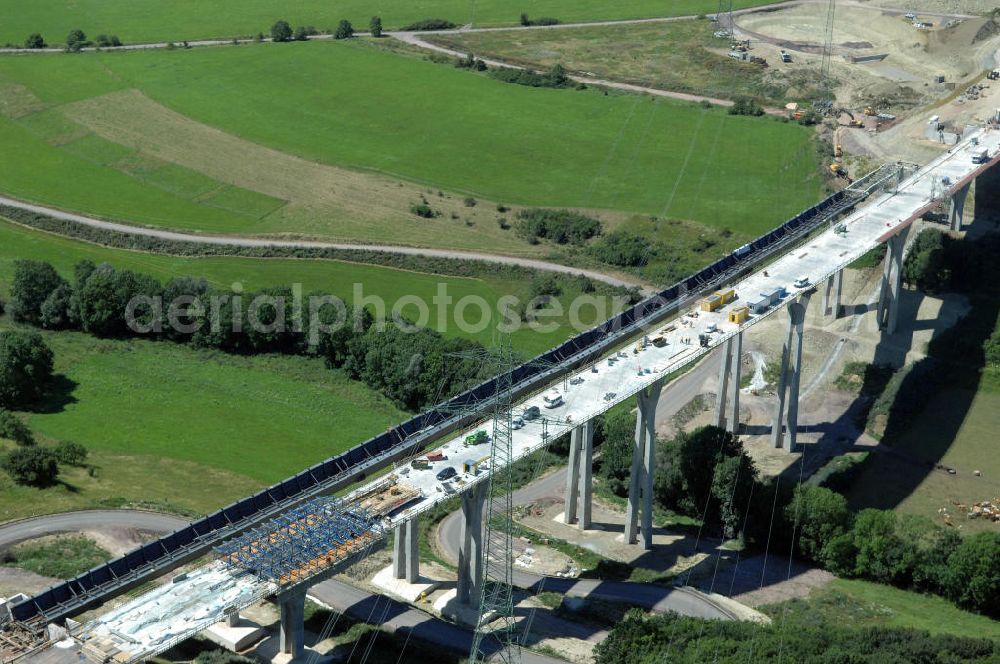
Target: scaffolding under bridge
{"x": 304, "y": 541}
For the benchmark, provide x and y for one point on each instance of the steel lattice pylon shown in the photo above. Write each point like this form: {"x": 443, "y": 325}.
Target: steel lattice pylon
{"x": 495, "y": 628}
{"x": 828, "y": 42}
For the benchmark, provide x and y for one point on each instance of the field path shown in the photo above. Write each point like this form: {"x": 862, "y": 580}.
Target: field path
{"x": 465, "y": 29}
{"x": 231, "y": 241}
{"x": 417, "y": 39}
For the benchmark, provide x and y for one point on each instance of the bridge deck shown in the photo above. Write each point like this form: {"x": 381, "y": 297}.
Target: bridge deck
{"x": 156, "y": 620}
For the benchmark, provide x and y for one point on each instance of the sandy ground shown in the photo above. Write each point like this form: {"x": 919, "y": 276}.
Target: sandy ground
{"x": 14, "y": 580}
{"x": 915, "y": 57}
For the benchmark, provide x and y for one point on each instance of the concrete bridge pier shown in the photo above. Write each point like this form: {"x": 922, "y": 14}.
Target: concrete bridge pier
{"x": 787, "y": 412}
{"x": 406, "y": 552}
{"x": 727, "y": 403}
{"x": 470, "y": 564}
{"x": 832, "y": 294}
{"x": 887, "y": 313}
{"x": 292, "y": 639}
{"x": 956, "y": 207}
{"x": 579, "y": 476}
{"x": 640, "y": 491}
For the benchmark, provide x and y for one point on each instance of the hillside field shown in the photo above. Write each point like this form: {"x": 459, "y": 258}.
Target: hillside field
{"x": 338, "y": 140}
{"x": 155, "y": 20}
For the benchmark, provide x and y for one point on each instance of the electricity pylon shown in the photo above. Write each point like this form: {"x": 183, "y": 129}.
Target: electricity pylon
{"x": 496, "y": 629}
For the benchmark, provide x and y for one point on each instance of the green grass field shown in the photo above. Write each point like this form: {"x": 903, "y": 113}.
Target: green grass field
{"x": 862, "y": 603}
{"x": 682, "y": 56}
{"x": 58, "y": 556}
{"x": 151, "y": 20}
{"x": 912, "y": 487}
{"x": 340, "y": 132}
{"x": 171, "y": 414}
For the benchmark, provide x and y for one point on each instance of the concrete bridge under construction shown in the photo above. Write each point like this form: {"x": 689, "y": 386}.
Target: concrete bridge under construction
{"x": 300, "y": 535}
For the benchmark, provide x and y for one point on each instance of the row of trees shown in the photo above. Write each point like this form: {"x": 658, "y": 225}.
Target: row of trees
{"x": 75, "y": 41}
{"x": 907, "y": 551}
{"x": 282, "y": 31}
{"x": 641, "y": 639}
{"x": 708, "y": 476}
{"x": 413, "y": 368}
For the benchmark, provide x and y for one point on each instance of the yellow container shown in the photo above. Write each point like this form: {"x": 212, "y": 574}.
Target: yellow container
{"x": 727, "y": 295}
{"x": 739, "y": 315}
{"x": 711, "y": 303}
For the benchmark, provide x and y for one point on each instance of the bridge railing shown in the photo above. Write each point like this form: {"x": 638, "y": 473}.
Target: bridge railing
{"x": 169, "y": 552}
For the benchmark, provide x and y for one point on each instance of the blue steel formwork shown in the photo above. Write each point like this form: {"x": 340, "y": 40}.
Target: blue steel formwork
{"x": 302, "y": 542}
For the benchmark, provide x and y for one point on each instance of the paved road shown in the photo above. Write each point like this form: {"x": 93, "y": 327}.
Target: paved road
{"x": 17, "y": 531}
{"x": 401, "y": 619}
{"x": 231, "y": 241}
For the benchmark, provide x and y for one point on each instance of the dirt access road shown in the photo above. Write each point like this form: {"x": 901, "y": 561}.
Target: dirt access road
{"x": 233, "y": 241}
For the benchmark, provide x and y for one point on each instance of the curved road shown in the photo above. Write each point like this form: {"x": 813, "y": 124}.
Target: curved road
{"x": 24, "y": 529}
{"x": 232, "y": 241}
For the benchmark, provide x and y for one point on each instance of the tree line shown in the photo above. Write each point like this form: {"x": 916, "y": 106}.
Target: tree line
{"x": 642, "y": 639}
{"x": 707, "y": 475}
{"x": 415, "y": 368}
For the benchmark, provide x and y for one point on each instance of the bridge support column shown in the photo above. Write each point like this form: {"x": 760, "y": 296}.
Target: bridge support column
{"x": 470, "y": 564}
{"x": 956, "y": 208}
{"x": 579, "y": 475}
{"x": 293, "y": 629}
{"x": 887, "y": 313}
{"x": 406, "y": 552}
{"x": 832, "y": 294}
{"x": 787, "y": 412}
{"x": 727, "y": 403}
{"x": 640, "y": 491}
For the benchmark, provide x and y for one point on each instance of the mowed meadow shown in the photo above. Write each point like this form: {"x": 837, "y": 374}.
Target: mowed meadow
{"x": 338, "y": 140}
{"x": 160, "y": 20}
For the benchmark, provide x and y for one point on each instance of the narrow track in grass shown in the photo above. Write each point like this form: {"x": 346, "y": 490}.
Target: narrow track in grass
{"x": 233, "y": 241}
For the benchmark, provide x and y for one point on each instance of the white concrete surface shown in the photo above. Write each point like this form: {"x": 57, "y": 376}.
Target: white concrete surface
{"x": 401, "y": 588}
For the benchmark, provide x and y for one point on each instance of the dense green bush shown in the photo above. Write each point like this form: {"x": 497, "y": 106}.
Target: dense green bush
{"x": 70, "y": 453}
{"x": 13, "y": 428}
{"x": 429, "y": 24}
{"x": 31, "y": 285}
{"x": 746, "y": 106}
{"x": 34, "y": 40}
{"x": 554, "y": 78}
{"x": 925, "y": 266}
{"x": 344, "y": 30}
{"x": 559, "y": 226}
{"x": 32, "y": 466}
{"x": 106, "y": 41}
{"x": 76, "y": 40}
{"x": 642, "y": 639}
{"x": 375, "y": 26}
{"x": 25, "y": 368}
{"x": 623, "y": 249}
{"x": 281, "y": 31}
{"x": 972, "y": 577}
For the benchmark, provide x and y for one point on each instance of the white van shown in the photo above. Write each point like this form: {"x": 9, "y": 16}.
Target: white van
{"x": 553, "y": 399}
